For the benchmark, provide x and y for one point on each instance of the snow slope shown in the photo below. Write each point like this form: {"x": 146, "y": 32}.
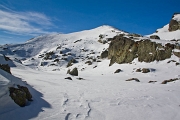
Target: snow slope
{"x": 101, "y": 94}
{"x": 164, "y": 33}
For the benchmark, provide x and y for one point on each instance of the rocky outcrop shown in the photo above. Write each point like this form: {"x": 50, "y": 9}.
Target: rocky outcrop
{"x": 174, "y": 24}
{"x": 5, "y": 67}
{"x": 125, "y": 50}
{"x": 20, "y": 95}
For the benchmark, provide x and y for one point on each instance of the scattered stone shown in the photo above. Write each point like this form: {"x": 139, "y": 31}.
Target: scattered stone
{"x": 56, "y": 60}
{"x": 88, "y": 62}
{"x": 170, "y": 80}
{"x": 155, "y": 37}
{"x": 69, "y": 78}
{"x": 137, "y": 80}
{"x": 138, "y": 70}
{"x": 80, "y": 78}
{"x": 171, "y": 61}
{"x": 152, "y": 81}
{"x": 95, "y": 66}
{"x": 177, "y": 63}
{"x": 145, "y": 70}
{"x": 5, "y": 67}
{"x": 118, "y": 70}
{"x": 77, "y": 41}
{"x": 70, "y": 63}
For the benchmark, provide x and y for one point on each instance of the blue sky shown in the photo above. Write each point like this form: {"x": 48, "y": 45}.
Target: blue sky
{"x": 21, "y": 20}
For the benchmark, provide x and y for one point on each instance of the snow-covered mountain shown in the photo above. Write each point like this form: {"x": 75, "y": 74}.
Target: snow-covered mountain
{"x": 125, "y": 91}
{"x": 170, "y": 31}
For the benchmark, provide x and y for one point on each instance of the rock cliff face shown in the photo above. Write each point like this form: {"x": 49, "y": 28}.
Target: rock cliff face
{"x": 125, "y": 50}
{"x": 174, "y": 23}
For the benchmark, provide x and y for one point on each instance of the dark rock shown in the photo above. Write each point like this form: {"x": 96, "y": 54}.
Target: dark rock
{"x": 74, "y": 72}
{"x": 170, "y": 80}
{"x": 174, "y": 25}
{"x": 118, "y": 70}
{"x": 155, "y": 37}
{"x": 177, "y": 63}
{"x": 20, "y": 94}
{"x": 56, "y": 60}
{"x": 104, "y": 54}
{"x": 121, "y": 50}
{"x": 69, "y": 78}
{"x": 152, "y": 81}
{"x": 95, "y": 66}
{"x": 70, "y": 63}
{"x": 49, "y": 55}
{"x": 88, "y": 62}
{"x": 137, "y": 80}
{"x": 5, "y": 67}
{"x": 138, "y": 70}
{"x": 80, "y": 78}
{"x": 145, "y": 70}
{"x": 134, "y": 35}
{"x": 125, "y": 50}
{"x": 25, "y": 89}
{"x": 171, "y": 61}
{"x": 77, "y": 41}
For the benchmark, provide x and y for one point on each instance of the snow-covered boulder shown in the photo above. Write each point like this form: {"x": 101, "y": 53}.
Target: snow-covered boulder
{"x": 175, "y": 22}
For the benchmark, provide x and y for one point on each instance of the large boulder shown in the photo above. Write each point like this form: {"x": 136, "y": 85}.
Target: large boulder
{"x": 174, "y": 24}
{"x": 125, "y": 50}
{"x": 122, "y": 50}
{"x": 20, "y": 95}
{"x": 74, "y": 72}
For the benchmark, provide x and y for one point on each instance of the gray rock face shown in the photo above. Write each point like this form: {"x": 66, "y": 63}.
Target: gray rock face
{"x": 20, "y": 94}
{"x": 125, "y": 50}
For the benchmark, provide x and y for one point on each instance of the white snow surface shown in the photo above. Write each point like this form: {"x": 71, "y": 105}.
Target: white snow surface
{"x": 177, "y": 17}
{"x": 100, "y": 95}
{"x": 164, "y": 33}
